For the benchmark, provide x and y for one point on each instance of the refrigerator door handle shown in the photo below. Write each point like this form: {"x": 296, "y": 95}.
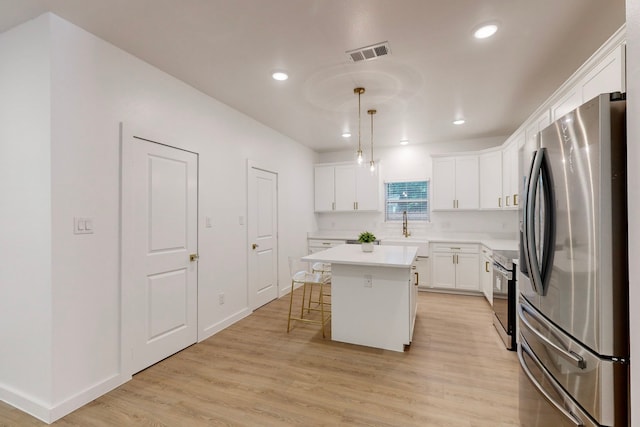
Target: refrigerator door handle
{"x": 549, "y": 237}
{"x": 540, "y": 274}
{"x": 577, "y": 360}
{"x": 529, "y": 245}
{"x": 524, "y": 348}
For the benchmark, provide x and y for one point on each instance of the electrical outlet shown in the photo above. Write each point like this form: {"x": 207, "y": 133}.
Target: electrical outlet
{"x": 368, "y": 281}
{"x": 221, "y": 298}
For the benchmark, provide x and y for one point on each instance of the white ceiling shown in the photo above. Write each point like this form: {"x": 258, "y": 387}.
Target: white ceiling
{"x": 436, "y": 71}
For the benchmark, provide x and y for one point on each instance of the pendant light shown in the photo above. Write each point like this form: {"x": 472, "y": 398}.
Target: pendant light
{"x": 359, "y": 157}
{"x": 372, "y": 163}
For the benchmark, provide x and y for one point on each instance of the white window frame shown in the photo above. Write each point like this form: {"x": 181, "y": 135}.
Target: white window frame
{"x": 427, "y": 200}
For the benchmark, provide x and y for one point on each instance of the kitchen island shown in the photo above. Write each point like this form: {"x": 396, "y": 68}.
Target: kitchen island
{"x": 373, "y": 294}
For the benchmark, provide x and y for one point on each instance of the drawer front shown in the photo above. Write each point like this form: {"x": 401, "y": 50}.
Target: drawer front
{"x": 325, "y": 243}
{"x": 455, "y": 247}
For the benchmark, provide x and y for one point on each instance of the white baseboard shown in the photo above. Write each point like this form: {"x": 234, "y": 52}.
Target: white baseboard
{"x": 50, "y": 413}
{"x": 224, "y": 323}
{"x": 80, "y": 399}
{"x": 25, "y": 403}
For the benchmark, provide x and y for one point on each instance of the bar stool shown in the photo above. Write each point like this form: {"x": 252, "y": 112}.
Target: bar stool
{"x": 325, "y": 269}
{"x": 302, "y": 274}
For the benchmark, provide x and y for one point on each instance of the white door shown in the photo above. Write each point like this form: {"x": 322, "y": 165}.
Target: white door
{"x": 161, "y": 191}
{"x": 263, "y": 237}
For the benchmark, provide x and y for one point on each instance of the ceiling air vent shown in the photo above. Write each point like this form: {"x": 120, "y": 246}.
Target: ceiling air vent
{"x": 369, "y": 52}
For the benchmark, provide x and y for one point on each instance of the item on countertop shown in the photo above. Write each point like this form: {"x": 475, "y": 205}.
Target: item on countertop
{"x": 367, "y": 239}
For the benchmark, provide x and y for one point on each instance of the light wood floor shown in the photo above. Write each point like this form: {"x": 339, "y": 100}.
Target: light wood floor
{"x": 456, "y": 373}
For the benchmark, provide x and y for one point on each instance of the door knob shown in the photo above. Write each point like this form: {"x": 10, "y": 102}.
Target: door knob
{"x": 193, "y": 257}
{"x": 254, "y": 246}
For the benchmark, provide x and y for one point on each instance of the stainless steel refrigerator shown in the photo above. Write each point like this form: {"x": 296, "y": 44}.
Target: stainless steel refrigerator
{"x": 573, "y": 307}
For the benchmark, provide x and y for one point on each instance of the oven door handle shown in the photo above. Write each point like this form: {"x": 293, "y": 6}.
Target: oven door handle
{"x": 524, "y": 347}
{"x": 577, "y": 360}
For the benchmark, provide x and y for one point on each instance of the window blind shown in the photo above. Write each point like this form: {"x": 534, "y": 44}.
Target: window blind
{"x": 409, "y": 196}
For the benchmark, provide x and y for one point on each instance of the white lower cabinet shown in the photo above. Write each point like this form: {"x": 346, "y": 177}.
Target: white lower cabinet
{"x": 317, "y": 245}
{"x": 421, "y": 270}
{"x": 413, "y": 304}
{"x": 486, "y": 274}
{"x": 455, "y": 266}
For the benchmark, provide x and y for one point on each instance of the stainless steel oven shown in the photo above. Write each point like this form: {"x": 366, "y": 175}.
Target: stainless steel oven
{"x": 504, "y": 296}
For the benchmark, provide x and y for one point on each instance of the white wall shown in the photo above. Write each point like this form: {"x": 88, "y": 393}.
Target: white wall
{"x": 413, "y": 162}
{"x": 633, "y": 195}
{"x": 94, "y": 87}
{"x": 25, "y": 216}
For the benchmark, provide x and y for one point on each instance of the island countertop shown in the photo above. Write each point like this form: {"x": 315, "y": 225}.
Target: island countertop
{"x": 382, "y": 256}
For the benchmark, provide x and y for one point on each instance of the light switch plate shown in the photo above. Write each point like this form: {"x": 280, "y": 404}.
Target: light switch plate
{"x": 82, "y": 225}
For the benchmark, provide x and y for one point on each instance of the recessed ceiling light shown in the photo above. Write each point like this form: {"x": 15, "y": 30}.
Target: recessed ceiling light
{"x": 404, "y": 141}
{"x": 346, "y": 135}
{"x": 280, "y": 76}
{"x": 458, "y": 122}
{"x": 485, "y": 31}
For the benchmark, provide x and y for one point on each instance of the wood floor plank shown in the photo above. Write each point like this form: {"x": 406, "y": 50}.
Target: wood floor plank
{"x": 455, "y": 374}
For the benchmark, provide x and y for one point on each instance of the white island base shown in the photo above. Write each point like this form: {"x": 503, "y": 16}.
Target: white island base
{"x": 373, "y": 295}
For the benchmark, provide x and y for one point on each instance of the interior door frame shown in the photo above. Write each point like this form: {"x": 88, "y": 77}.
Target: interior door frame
{"x": 266, "y": 168}
{"x": 128, "y": 132}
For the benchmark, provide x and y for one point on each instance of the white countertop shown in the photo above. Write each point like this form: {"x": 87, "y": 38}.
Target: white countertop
{"x": 382, "y": 256}
{"x": 491, "y": 243}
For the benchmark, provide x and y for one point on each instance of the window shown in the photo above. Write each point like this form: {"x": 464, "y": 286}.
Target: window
{"x": 410, "y": 196}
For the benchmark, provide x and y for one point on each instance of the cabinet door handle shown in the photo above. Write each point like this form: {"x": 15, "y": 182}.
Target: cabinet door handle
{"x": 454, "y": 203}
{"x": 508, "y": 200}
{"x": 486, "y": 266}
{"x": 417, "y": 278}
{"x": 515, "y": 200}
{"x": 499, "y": 202}
{"x": 453, "y": 259}
{"x": 333, "y": 206}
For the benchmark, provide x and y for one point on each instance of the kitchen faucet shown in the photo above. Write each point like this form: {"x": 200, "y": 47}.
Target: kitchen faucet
{"x": 405, "y": 225}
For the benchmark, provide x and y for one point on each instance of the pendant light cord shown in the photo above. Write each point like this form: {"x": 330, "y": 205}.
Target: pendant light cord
{"x": 359, "y": 91}
{"x": 372, "y": 163}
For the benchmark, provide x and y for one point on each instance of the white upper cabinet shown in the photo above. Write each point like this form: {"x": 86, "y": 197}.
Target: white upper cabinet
{"x": 570, "y": 101}
{"x": 455, "y": 183}
{"x": 345, "y": 188}
{"x": 324, "y": 189}
{"x": 367, "y": 189}
{"x": 491, "y": 180}
{"x": 607, "y": 75}
{"x": 444, "y": 183}
{"x": 510, "y": 176}
{"x": 467, "y": 186}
